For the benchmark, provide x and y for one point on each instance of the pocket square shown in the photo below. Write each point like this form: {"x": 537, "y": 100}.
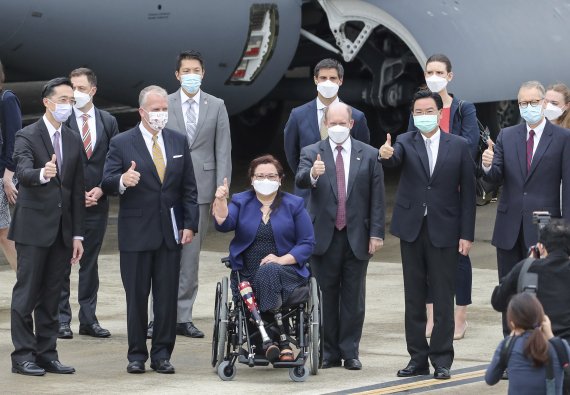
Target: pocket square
{"x": 177, "y": 156}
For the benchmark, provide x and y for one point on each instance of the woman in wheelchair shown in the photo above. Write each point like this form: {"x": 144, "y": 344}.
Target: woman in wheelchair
{"x": 273, "y": 241}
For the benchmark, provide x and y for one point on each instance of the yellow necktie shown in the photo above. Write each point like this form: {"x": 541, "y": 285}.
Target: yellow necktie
{"x": 157, "y": 158}
{"x": 323, "y": 128}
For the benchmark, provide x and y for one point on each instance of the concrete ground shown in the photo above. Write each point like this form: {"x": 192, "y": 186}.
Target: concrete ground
{"x": 101, "y": 363}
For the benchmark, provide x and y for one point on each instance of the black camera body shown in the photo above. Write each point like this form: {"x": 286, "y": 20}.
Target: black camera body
{"x": 541, "y": 219}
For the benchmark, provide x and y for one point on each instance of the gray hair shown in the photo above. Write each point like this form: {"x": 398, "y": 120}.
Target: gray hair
{"x": 151, "y": 89}
{"x": 338, "y": 104}
{"x": 533, "y": 85}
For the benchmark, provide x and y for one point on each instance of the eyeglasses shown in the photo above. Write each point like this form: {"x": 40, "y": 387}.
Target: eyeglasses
{"x": 427, "y": 112}
{"x": 270, "y": 177}
{"x": 533, "y": 103}
{"x": 63, "y": 100}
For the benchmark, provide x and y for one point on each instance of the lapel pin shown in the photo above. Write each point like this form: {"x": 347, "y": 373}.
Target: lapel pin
{"x": 357, "y": 158}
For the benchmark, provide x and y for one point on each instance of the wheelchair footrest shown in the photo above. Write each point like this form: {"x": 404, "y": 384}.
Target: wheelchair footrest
{"x": 258, "y": 361}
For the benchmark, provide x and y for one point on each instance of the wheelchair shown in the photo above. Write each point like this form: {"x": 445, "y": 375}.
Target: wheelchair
{"x": 235, "y": 341}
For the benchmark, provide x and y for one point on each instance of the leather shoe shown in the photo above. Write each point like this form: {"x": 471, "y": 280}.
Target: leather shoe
{"x": 441, "y": 373}
{"x": 188, "y": 329}
{"x": 330, "y": 364}
{"x": 352, "y": 364}
{"x": 64, "y": 331}
{"x": 413, "y": 370}
{"x": 149, "y": 330}
{"x": 28, "y": 368}
{"x": 93, "y": 330}
{"x": 162, "y": 366}
{"x": 56, "y": 367}
{"x": 135, "y": 367}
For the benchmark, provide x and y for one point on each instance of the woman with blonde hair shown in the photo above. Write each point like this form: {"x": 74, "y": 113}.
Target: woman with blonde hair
{"x": 557, "y": 108}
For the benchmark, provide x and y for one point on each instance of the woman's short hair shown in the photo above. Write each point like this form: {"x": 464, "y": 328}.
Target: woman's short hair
{"x": 268, "y": 160}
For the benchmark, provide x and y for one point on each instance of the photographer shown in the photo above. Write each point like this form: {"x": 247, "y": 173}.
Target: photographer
{"x": 553, "y": 270}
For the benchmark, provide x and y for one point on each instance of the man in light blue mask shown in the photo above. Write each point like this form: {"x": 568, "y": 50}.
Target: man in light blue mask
{"x": 203, "y": 119}
{"x": 530, "y": 159}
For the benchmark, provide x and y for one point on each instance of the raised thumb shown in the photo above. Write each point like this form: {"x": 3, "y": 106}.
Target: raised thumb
{"x": 53, "y": 158}
{"x": 226, "y": 182}
{"x": 389, "y": 140}
{"x": 133, "y": 165}
{"x": 319, "y": 157}
{"x": 490, "y": 144}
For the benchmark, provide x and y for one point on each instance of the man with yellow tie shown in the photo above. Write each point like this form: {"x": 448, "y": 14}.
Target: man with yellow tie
{"x": 151, "y": 169}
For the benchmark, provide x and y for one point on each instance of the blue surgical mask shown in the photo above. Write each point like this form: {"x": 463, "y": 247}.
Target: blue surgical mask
{"x": 532, "y": 115}
{"x": 191, "y": 82}
{"x": 61, "y": 112}
{"x": 425, "y": 123}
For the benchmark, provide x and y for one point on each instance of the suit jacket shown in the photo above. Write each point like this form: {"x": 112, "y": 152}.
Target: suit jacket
{"x": 302, "y": 129}
{"x": 449, "y": 194}
{"x": 105, "y": 128}
{"x": 364, "y": 196}
{"x": 145, "y": 210}
{"x": 538, "y": 191}
{"x": 41, "y": 208}
{"x": 462, "y": 124}
{"x": 211, "y": 147}
{"x": 290, "y": 222}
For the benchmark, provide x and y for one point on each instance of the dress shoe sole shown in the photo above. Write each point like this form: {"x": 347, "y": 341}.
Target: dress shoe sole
{"x": 353, "y": 367}
{"x": 332, "y": 365}
{"x": 87, "y": 333}
{"x": 416, "y": 373}
{"x": 166, "y": 371}
{"x": 135, "y": 371}
{"x": 194, "y": 336}
{"x": 18, "y": 371}
{"x": 65, "y": 336}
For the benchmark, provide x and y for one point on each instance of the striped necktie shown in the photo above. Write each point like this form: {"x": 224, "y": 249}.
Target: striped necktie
{"x": 323, "y": 130}
{"x": 191, "y": 121}
{"x": 86, "y": 136}
{"x": 157, "y": 158}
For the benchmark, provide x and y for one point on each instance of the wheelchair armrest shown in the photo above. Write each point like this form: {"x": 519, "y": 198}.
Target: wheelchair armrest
{"x": 226, "y": 261}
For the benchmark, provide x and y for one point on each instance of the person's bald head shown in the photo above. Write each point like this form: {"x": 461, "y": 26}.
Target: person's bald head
{"x": 338, "y": 114}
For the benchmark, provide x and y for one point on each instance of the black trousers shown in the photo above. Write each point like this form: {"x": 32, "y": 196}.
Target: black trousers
{"x": 38, "y": 285}
{"x": 422, "y": 260}
{"x": 506, "y": 260}
{"x": 342, "y": 278}
{"x": 139, "y": 270}
{"x": 95, "y": 226}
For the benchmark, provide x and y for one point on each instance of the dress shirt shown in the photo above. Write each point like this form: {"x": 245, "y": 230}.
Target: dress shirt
{"x": 185, "y": 100}
{"x": 434, "y": 146}
{"x": 321, "y": 110}
{"x": 90, "y": 121}
{"x": 345, "y": 152}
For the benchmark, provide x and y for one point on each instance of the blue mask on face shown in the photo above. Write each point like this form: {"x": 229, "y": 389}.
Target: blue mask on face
{"x": 425, "y": 123}
{"x": 191, "y": 82}
{"x": 532, "y": 115}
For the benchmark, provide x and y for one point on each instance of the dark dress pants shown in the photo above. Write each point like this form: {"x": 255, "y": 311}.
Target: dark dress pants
{"x": 95, "y": 226}
{"x": 139, "y": 270}
{"x": 342, "y": 279}
{"x": 422, "y": 260}
{"x": 38, "y": 285}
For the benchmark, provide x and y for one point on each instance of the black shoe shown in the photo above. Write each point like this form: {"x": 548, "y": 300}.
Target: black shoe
{"x": 135, "y": 367}
{"x": 28, "y": 368}
{"x": 331, "y": 364}
{"x": 413, "y": 370}
{"x": 64, "y": 331}
{"x": 149, "y": 330}
{"x": 352, "y": 364}
{"x": 162, "y": 366}
{"x": 93, "y": 330}
{"x": 441, "y": 373}
{"x": 188, "y": 329}
{"x": 56, "y": 367}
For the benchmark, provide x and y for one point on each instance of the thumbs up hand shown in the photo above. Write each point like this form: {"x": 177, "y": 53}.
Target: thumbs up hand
{"x": 386, "y": 151}
{"x": 223, "y": 191}
{"x": 131, "y": 177}
{"x": 487, "y": 157}
{"x": 50, "y": 169}
{"x": 318, "y": 168}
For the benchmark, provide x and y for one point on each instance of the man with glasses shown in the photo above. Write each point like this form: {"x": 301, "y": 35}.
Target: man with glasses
{"x": 530, "y": 159}
{"x": 47, "y": 229}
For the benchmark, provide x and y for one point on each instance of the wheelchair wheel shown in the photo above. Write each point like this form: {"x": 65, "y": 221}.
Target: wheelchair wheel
{"x": 316, "y": 343}
{"x": 226, "y": 371}
{"x": 220, "y": 323}
{"x": 298, "y": 373}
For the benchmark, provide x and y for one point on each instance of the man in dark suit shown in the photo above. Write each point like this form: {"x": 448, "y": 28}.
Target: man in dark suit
{"x": 306, "y": 126}
{"x": 346, "y": 205}
{"x": 47, "y": 228}
{"x": 150, "y": 167}
{"x": 96, "y": 128}
{"x": 531, "y": 160}
{"x": 434, "y": 217}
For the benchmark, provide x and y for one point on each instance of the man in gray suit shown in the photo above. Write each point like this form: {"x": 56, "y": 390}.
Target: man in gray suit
{"x": 346, "y": 205}
{"x": 204, "y": 120}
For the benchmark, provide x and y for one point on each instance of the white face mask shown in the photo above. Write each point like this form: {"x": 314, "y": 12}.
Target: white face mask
{"x": 157, "y": 119}
{"x": 338, "y": 133}
{"x": 327, "y": 89}
{"x": 552, "y": 112}
{"x": 436, "y": 83}
{"x": 265, "y": 187}
{"x": 61, "y": 112}
{"x": 81, "y": 99}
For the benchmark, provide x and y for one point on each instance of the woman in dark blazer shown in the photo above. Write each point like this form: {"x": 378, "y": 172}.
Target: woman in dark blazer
{"x": 460, "y": 118}
{"x": 273, "y": 237}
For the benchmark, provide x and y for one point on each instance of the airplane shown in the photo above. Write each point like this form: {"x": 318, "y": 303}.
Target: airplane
{"x": 260, "y": 53}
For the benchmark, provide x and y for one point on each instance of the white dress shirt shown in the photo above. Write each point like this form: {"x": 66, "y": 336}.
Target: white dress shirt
{"x": 90, "y": 121}
{"x": 185, "y": 100}
{"x": 345, "y": 153}
{"x": 434, "y": 146}
{"x": 321, "y": 110}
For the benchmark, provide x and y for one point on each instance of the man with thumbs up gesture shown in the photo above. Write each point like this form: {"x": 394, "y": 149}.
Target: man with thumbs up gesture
{"x": 47, "y": 228}
{"x": 151, "y": 169}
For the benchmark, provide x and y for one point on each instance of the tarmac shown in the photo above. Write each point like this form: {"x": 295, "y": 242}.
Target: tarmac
{"x": 101, "y": 363}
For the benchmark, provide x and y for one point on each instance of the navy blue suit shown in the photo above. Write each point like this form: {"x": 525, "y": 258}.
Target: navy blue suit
{"x": 302, "y": 129}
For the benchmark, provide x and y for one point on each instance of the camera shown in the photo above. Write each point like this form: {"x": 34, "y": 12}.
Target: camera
{"x": 541, "y": 219}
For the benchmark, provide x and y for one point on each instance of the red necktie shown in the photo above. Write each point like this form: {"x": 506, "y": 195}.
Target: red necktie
{"x": 340, "y": 222}
{"x": 529, "y": 148}
{"x": 86, "y": 136}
